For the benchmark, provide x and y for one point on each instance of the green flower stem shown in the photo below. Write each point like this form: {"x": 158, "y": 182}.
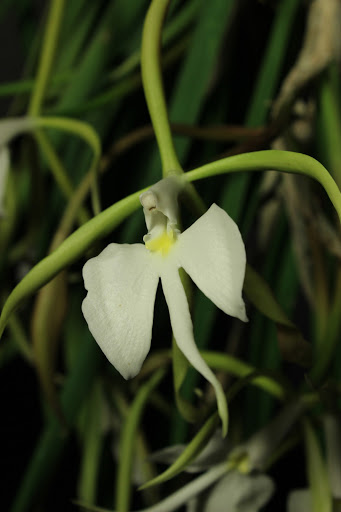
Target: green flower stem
{"x": 284, "y": 161}
{"x": 46, "y": 58}
{"x": 86, "y": 132}
{"x": 152, "y": 84}
{"x": 127, "y": 444}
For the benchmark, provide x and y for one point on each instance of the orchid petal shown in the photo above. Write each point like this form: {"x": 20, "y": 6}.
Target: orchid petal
{"x": 212, "y": 252}
{"x": 121, "y": 283}
{"x": 183, "y": 332}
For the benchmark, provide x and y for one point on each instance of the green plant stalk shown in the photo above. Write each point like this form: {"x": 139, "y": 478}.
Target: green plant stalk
{"x": 284, "y": 161}
{"x": 129, "y": 431}
{"x": 152, "y": 84}
{"x": 46, "y": 58}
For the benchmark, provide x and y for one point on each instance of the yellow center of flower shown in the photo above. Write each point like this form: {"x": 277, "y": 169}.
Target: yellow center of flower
{"x": 162, "y": 243}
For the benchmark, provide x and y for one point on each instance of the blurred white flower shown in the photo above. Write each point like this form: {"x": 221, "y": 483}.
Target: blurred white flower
{"x": 123, "y": 279}
{"x": 4, "y": 167}
{"x": 236, "y": 492}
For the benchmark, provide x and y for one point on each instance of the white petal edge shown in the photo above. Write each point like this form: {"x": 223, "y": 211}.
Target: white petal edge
{"x": 183, "y": 333}
{"x": 212, "y": 253}
{"x": 119, "y": 307}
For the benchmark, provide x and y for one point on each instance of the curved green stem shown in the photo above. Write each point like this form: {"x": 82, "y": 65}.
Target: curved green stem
{"x": 46, "y": 58}
{"x": 152, "y": 84}
{"x": 284, "y": 161}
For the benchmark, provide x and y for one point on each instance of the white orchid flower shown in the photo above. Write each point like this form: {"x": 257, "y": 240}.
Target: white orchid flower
{"x": 122, "y": 281}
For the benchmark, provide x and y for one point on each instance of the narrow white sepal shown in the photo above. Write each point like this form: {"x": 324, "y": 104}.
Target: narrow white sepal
{"x": 212, "y": 253}
{"x": 183, "y": 333}
{"x": 121, "y": 283}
